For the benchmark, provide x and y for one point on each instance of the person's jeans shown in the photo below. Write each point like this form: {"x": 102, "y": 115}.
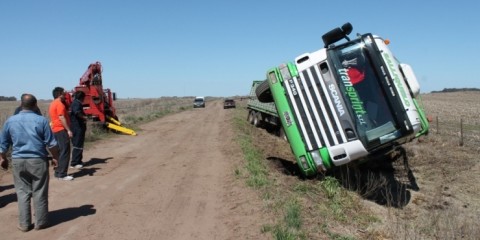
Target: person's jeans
{"x": 64, "y": 154}
{"x": 78, "y": 140}
{"x": 31, "y": 177}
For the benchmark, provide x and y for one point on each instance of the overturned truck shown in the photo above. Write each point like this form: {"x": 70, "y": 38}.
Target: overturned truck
{"x": 349, "y": 101}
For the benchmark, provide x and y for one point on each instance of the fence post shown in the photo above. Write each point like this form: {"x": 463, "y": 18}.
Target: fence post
{"x": 438, "y": 129}
{"x": 461, "y": 132}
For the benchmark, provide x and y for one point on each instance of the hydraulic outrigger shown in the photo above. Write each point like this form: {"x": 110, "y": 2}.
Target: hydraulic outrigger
{"x": 117, "y": 126}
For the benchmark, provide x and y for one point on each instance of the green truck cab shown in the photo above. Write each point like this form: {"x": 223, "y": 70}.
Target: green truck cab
{"x": 345, "y": 102}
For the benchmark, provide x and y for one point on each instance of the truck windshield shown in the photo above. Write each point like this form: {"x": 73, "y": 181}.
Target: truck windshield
{"x": 357, "y": 77}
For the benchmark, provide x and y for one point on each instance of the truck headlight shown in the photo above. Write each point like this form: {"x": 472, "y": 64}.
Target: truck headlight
{"x": 285, "y": 72}
{"x": 303, "y": 162}
{"x": 272, "y": 77}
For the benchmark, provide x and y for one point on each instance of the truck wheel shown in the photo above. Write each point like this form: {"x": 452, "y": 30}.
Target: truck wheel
{"x": 251, "y": 116}
{"x": 263, "y": 92}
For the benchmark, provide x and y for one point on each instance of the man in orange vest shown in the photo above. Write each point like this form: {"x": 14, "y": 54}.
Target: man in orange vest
{"x": 60, "y": 124}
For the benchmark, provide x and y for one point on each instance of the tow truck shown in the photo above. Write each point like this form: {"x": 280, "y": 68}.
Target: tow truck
{"x": 99, "y": 102}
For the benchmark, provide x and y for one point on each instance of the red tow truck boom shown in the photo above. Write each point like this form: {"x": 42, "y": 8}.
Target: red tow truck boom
{"x": 98, "y": 103}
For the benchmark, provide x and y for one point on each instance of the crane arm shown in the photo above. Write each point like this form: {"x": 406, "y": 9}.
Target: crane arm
{"x": 93, "y": 73}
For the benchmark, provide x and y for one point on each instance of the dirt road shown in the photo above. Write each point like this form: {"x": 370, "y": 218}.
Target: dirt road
{"x": 175, "y": 180}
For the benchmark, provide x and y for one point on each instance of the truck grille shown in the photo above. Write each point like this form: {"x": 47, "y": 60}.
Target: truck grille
{"x": 313, "y": 109}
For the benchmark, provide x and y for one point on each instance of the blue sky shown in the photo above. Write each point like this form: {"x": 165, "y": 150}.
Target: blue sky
{"x": 151, "y": 49}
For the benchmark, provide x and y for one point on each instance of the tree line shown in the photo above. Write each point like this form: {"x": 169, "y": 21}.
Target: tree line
{"x": 3, "y": 98}
{"x": 456, "y": 90}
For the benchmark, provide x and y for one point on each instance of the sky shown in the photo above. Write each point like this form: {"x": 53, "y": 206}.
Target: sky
{"x": 152, "y": 49}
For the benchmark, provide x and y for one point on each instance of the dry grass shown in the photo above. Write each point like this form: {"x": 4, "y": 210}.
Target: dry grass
{"x": 136, "y": 111}
{"x": 7, "y": 109}
{"x": 129, "y": 111}
{"x": 453, "y": 112}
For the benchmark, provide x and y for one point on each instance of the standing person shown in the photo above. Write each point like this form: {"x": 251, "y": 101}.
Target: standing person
{"x": 78, "y": 120}
{"x": 29, "y": 135}
{"x": 19, "y": 108}
{"x": 60, "y": 124}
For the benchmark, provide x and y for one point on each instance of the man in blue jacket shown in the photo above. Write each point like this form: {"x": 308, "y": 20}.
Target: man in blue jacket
{"x": 29, "y": 135}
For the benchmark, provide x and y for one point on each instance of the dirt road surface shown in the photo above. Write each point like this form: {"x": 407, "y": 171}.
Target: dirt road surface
{"x": 175, "y": 180}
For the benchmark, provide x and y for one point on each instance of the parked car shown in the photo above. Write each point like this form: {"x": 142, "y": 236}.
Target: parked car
{"x": 228, "y": 103}
{"x": 199, "y": 102}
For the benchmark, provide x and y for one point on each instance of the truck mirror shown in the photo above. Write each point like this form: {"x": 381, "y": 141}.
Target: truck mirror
{"x": 332, "y": 36}
{"x": 337, "y": 34}
{"x": 347, "y": 28}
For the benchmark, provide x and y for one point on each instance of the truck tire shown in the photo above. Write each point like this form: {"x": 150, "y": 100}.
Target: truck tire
{"x": 263, "y": 92}
{"x": 251, "y": 116}
{"x": 257, "y": 120}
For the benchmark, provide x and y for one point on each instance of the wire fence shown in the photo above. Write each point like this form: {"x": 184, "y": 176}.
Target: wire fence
{"x": 460, "y": 131}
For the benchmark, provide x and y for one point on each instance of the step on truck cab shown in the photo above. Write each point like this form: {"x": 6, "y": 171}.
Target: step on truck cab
{"x": 345, "y": 102}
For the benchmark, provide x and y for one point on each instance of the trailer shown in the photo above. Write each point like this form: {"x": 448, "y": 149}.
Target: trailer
{"x": 263, "y": 114}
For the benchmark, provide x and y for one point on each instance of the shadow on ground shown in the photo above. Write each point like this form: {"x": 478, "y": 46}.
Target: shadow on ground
{"x": 87, "y": 170}
{"x": 8, "y": 198}
{"x": 67, "y": 214}
{"x": 3, "y": 188}
{"x": 287, "y": 167}
{"x": 95, "y": 161}
{"x": 377, "y": 180}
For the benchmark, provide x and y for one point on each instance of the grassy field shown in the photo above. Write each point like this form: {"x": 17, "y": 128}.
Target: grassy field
{"x": 130, "y": 112}
{"x": 7, "y": 108}
{"x": 453, "y": 114}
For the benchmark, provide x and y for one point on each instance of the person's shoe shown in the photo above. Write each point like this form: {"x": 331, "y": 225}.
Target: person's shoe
{"x": 25, "y": 229}
{"x": 78, "y": 166}
{"x": 40, "y": 227}
{"x": 66, "y": 178}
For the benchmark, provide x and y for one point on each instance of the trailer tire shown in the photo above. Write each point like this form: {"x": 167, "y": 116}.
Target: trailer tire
{"x": 263, "y": 92}
{"x": 251, "y": 116}
{"x": 257, "y": 120}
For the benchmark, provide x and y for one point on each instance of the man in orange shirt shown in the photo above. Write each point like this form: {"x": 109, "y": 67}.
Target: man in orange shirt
{"x": 60, "y": 124}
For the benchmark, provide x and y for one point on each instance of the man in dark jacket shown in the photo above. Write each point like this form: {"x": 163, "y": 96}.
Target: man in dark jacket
{"x": 78, "y": 121}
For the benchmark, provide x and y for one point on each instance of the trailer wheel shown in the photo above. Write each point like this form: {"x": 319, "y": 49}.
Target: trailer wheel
{"x": 263, "y": 92}
{"x": 251, "y": 116}
{"x": 257, "y": 119}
